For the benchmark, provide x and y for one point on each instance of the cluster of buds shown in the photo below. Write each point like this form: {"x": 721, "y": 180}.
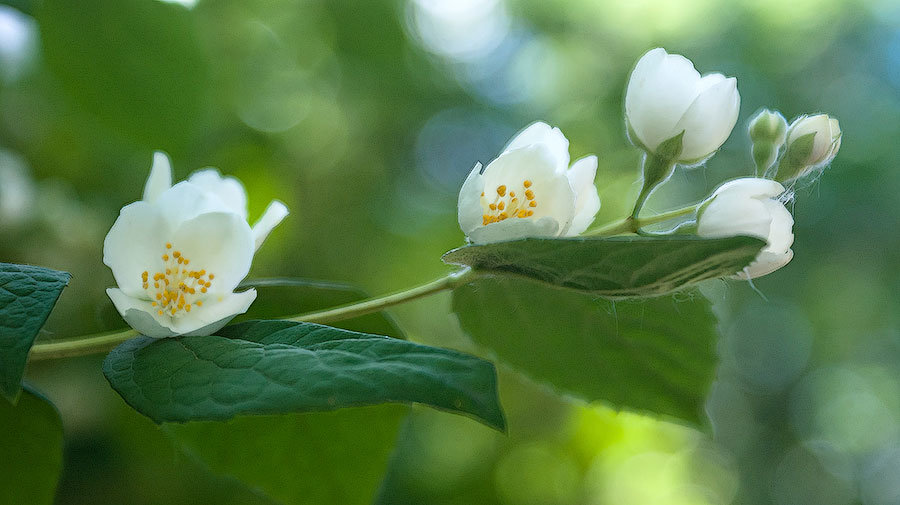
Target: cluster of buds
{"x": 808, "y": 145}
{"x": 677, "y": 117}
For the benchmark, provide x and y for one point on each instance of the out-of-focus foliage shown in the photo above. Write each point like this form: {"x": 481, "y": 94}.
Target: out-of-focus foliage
{"x": 31, "y": 436}
{"x": 365, "y": 117}
{"x": 320, "y": 457}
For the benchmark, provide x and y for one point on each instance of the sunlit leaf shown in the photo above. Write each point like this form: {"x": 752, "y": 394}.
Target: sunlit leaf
{"x": 27, "y": 296}
{"x": 656, "y": 355}
{"x": 618, "y": 267}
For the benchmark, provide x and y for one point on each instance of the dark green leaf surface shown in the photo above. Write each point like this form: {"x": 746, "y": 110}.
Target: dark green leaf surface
{"x": 31, "y": 442}
{"x": 655, "y": 355}
{"x": 317, "y": 458}
{"x": 269, "y": 367}
{"x": 618, "y": 267}
{"x": 27, "y": 296}
{"x": 303, "y": 458}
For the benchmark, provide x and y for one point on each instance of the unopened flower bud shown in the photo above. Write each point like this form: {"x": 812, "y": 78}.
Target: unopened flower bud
{"x": 752, "y": 207}
{"x": 672, "y": 112}
{"x": 767, "y": 132}
{"x": 812, "y": 142}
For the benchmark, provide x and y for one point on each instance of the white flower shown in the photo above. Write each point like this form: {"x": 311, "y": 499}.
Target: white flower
{"x": 826, "y": 140}
{"x": 667, "y": 96}
{"x": 749, "y": 206}
{"x": 529, "y": 190}
{"x": 178, "y": 254}
{"x": 228, "y": 190}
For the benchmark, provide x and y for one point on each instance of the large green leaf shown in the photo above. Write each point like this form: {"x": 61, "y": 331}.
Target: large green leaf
{"x": 655, "y": 355}
{"x": 135, "y": 65}
{"x": 31, "y": 442}
{"x": 617, "y": 267}
{"x": 303, "y": 458}
{"x": 269, "y": 367}
{"x": 27, "y": 296}
{"x": 314, "y": 458}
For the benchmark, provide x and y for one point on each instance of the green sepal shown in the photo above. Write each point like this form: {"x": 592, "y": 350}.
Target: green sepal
{"x": 793, "y": 164}
{"x": 670, "y": 150}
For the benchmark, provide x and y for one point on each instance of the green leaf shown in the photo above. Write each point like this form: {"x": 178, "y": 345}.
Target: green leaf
{"x": 617, "y": 267}
{"x": 303, "y": 458}
{"x": 655, "y": 355}
{"x": 270, "y": 367}
{"x": 27, "y": 296}
{"x": 31, "y": 442}
{"x": 314, "y": 458}
{"x": 138, "y": 69}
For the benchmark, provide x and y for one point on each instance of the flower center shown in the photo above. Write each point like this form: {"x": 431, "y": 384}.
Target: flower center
{"x": 507, "y": 204}
{"x": 177, "y": 289}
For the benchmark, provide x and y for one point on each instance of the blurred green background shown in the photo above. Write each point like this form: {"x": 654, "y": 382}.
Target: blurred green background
{"x": 364, "y": 117}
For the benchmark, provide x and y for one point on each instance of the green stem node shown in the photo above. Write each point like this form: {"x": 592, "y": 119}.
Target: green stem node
{"x": 656, "y": 171}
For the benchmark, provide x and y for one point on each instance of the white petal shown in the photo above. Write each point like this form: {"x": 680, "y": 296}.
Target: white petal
{"x": 227, "y": 189}
{"x": 836, "y": 141}
{"x": 514, "y": 229}
{"x": 185, "y": 201}
{"x": 587, "y": 201}
{"x": 750, "y": 187}
{"x": 202, "y": 320}
{"x": 470, "y": 211}
{"x": 833, "y": 152}
{"x": 135, "y": 244}
{"x": 553, "y": 194}
{"x": 160, "y": 178}
{"x": 708, "y": 81}
{"x": 660, "y": 89}
{"x": 727, "y": 217}
{"x": 220, "y": 243}
{"x": 708, "y": 122}
{"x": 820, "y": 125}
{"x": 274, "y": 214}
{"x": 781, "y": 233}
{"x": 765, "y": 263}
{"x": 140, "y": 315}
{"x": 542, "y": 133}
{"x": 215, "y": 313}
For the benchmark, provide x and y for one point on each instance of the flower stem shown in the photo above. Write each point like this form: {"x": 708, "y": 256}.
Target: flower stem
{"x": 632, "y": 225}
{"x": 362, "y": 308}
{"x": 80, "y": 346}
{"x": 657, "y": 170}
{"x": 102, "y": 342}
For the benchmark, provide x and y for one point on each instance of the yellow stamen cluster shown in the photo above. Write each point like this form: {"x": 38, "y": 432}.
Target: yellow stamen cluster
{"x": 505, "y": 205}
{"x": 177, "y": 289}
